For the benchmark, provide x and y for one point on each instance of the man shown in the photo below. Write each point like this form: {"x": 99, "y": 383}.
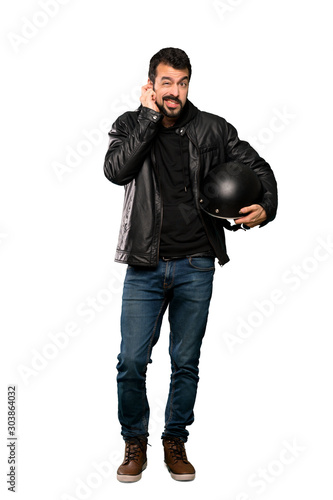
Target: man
{"x": 160, "y": 153}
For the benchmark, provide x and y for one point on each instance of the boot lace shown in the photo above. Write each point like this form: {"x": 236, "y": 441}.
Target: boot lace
{"x": 177, "y": 449}
{"x": 133, "y": 448}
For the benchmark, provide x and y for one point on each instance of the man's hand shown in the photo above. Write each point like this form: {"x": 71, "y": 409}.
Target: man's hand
{"x": 254, "y": 215}
{"x": 148, "y": 97}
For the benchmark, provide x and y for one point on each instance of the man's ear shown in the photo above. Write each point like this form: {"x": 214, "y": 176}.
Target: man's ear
{"x": 150, "y": 82}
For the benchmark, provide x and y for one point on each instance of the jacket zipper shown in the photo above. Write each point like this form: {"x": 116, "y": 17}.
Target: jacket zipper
{"x": 161, "y": 201}
{"x": 196, "y": 201}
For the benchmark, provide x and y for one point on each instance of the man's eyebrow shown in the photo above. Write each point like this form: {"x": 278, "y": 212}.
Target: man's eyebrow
{"x": 169, "y": 78}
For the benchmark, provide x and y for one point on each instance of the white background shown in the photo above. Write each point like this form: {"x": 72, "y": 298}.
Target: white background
{"x": 67, "y": 73}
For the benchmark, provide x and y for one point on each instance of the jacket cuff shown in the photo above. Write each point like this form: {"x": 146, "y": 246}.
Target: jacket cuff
{"x": 150, "y": 114}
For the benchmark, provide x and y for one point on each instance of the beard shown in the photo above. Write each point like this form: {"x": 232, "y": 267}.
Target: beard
{"x": 170, "y": 113}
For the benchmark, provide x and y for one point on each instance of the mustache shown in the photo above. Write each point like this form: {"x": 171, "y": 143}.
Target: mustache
{"x": 171, "y": 98}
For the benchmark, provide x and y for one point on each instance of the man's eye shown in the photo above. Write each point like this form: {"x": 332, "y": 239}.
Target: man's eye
{"x": 166, "y": 83}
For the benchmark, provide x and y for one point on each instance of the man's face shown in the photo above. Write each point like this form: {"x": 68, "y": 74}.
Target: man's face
{"x": 171, "y": 88}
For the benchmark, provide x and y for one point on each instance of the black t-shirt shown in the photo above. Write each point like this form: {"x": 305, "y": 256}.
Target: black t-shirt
{"x": 182, "y": 230}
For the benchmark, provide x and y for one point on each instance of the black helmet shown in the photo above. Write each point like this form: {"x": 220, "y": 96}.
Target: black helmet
{"x": 228, "y": 188}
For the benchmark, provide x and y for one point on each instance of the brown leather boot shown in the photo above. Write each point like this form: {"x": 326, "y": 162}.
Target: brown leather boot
{"x": 135, "y": 460}
{"x": 176, "y": 460}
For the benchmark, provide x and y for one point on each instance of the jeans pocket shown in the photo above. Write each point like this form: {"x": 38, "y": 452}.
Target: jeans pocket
{"x": 202, "y": 263}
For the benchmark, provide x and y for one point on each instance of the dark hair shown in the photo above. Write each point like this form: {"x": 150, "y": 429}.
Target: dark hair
{"x": 176, "y": 58}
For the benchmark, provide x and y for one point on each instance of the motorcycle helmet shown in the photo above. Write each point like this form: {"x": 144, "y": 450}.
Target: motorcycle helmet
{"x": 227, "y": 188}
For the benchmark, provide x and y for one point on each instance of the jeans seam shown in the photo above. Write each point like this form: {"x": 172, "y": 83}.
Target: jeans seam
{"x": 172, "y": 381}
{"x": 145, "y": 423}
{"x": 154, "y": 330}
{"x": 165, "y": 285}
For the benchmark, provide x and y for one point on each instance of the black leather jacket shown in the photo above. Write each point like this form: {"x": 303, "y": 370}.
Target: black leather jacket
{"x": 129, "y": 162}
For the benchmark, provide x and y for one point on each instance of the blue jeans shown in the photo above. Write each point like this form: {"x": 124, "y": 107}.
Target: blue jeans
{"x": 185, "y": 286}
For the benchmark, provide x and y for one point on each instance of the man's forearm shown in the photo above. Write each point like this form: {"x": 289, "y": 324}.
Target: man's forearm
{"x": 128, "y": 149}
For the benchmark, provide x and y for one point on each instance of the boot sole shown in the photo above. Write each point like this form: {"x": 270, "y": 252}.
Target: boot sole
{"x": 128, "y": 478}
{"x": 180, "y": 477}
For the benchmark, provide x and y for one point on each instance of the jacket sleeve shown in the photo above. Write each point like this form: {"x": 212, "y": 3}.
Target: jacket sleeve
{"x": 242, "y": 151}
{"x": 129, "y": 142}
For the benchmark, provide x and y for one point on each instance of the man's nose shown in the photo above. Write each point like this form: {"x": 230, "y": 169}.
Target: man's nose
{"x": 174, "y": 90}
